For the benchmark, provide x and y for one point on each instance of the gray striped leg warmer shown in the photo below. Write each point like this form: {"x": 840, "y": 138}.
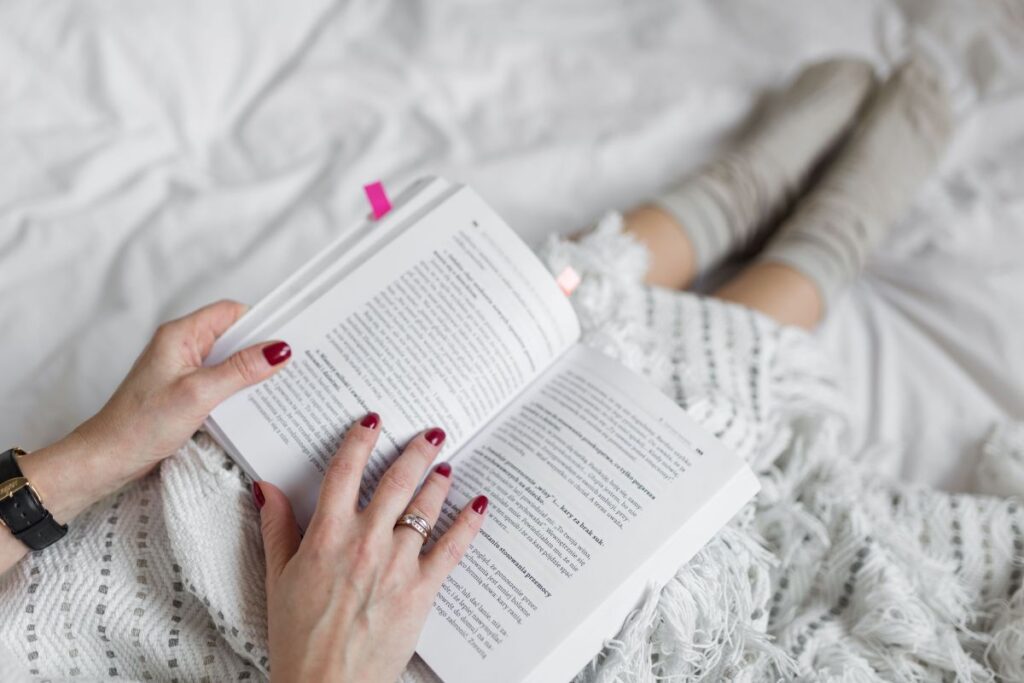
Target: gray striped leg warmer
{"x": 869, "y": 184}
{"x": 723, "y": 206}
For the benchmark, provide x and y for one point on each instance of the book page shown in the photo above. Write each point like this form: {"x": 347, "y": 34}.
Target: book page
{"x": 441, "y": 327}
{"x": 329, "y": 266}
{"x": 599, "y": 484}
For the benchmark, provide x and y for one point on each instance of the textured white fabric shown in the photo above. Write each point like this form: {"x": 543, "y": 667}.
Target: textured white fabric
{"x": 1001, "y": 467}
{"x": 833, "y": 573}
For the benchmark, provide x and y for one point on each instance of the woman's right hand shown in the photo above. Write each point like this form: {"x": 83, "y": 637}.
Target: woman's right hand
{"x": 347, "y": 601}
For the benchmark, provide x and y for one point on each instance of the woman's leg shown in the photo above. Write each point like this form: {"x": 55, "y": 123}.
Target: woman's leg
{"x": 721, "y": 209}
{"x": 778, "y": 291}
{"x": 862, "y": 193}
{"x": 672, "y": 262}
{"x": 858, "y": 199}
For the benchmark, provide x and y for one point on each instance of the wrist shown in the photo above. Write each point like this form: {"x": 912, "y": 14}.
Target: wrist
{"x": 69, "y": 476}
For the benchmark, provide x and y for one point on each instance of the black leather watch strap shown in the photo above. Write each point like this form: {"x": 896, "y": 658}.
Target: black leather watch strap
{"x": 21, "y": 510}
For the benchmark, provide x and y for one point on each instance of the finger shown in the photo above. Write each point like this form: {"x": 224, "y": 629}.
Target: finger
{"x": 210, "y": 322}
{"x": 449, "y": 549}
{"x": 398, "y": 484}
{"x": 241, "y": 369}
{"x": 427, "y": 504}
{"x": 277, "y": 522}
{"x": 339, "y": 492}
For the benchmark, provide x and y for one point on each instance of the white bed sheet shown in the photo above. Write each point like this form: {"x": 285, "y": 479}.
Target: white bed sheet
{"x": 160, "y": 155}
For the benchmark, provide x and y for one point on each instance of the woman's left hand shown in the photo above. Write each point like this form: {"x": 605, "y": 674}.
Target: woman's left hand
{"x": 161, "y": 402}
{"x": 159, "y": 405}
{"x": 168, "y": 393}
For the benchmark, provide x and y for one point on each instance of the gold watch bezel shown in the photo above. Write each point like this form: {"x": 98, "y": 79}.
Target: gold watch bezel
{"x": 11, "y": 486}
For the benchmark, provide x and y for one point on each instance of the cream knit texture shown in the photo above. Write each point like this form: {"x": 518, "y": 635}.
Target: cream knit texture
{"x": 831, "y": 574}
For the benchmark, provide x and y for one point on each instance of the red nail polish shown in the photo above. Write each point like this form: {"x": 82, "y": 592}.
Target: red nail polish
{"x": 277, "y": 353}
{"x": 444, "y": 469}
{"x": 480, "y": 504}
{"x": 257, "y": 496}
{"x": 370, "y": 421}
{"x": 435, "y": 436}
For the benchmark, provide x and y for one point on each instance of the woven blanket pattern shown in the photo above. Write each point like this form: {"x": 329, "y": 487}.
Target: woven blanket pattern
{"x": 831, "y": 574}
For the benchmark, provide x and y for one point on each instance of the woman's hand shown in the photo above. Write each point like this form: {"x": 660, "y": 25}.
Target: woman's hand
{"x": 159, "y": 405}
{"x": 168, "y": 393}
{"x": 348, "y": 601}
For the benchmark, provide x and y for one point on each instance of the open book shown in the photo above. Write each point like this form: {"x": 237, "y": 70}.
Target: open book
{"x": 438, "y": 314}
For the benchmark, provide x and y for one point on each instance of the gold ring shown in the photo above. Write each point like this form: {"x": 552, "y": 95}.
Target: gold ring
{"x": 416, "y": 523}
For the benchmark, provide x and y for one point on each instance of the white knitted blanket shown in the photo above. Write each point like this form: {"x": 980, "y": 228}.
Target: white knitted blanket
{"x": 831, "y": 574}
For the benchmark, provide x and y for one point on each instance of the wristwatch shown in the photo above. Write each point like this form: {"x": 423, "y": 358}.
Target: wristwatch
{"x": 21, "y": 510}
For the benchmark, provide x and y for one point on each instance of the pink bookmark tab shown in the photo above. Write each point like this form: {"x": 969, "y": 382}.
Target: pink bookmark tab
{"x": 379, "y": 201}
{"x": 568, "y": 280}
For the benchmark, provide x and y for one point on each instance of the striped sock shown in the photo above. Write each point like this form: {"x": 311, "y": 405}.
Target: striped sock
{"x": 869, "y": 184}
{"x": 723, "y": 206}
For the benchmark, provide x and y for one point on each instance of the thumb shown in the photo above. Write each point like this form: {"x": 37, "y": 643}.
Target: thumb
{"x": 277, "y": 522}
{"x": 244, "y": 368}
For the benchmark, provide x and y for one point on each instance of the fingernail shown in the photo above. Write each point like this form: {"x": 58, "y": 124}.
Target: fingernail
{"x": 435, "y": 436}
{"x": 257, "y": 496}
{"x": 480, "y": 504}
{"x": 277, "y": 353}
{"x": 444, "y": 469}
{"x": 370, "y": 421}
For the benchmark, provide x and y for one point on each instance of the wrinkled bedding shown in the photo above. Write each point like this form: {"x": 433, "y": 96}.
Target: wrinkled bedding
{"x": 161, "y": 155}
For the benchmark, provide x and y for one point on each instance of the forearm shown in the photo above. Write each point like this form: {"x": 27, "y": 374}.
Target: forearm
{"x": 68, "y": 476}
